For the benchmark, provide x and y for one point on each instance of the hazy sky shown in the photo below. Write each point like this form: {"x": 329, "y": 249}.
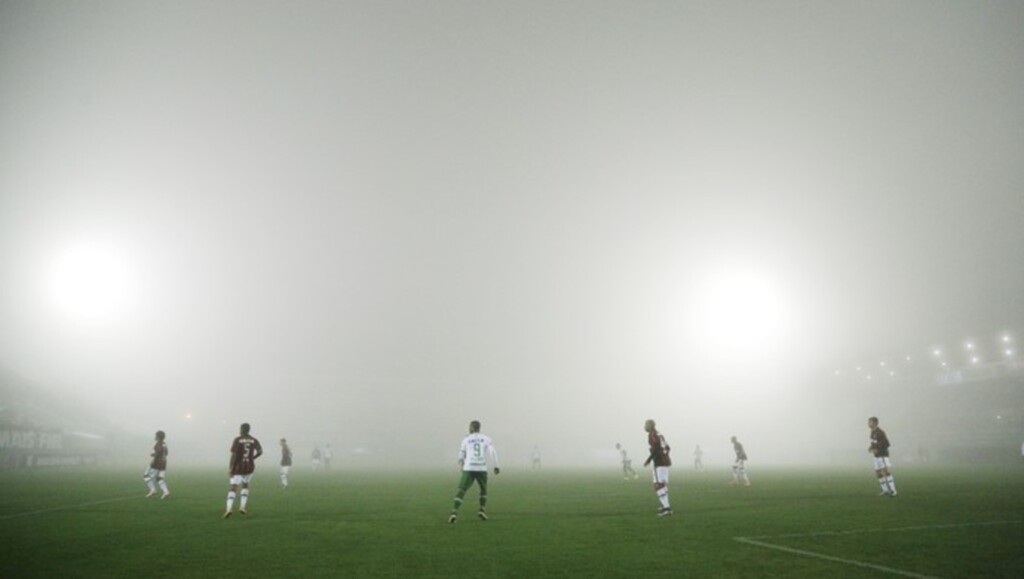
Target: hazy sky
{"x": 560, "y": 218}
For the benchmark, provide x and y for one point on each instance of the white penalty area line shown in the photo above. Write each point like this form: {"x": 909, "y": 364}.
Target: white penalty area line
{"x": 65, "y": 508}
{"x": 756, "y": 541}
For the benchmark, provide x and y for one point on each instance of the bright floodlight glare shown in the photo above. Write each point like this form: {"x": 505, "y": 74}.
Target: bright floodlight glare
{"x": 1009, "y": 352}
{"x": 743, "y": 312}
{"x": 882, "y": 363}
{"x": 974, "y": 359}
{"x": 908, "y": 358}
{"x": 936, "y": 352}
{"x": 969, "y": 345}
{"x": 91, "y": 283}
{"x": 1006, "y": 338}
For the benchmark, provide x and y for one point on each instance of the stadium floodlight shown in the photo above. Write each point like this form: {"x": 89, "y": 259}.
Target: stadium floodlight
{"x": 742, "y": 311}
{"x": 936, "y": 352}
{"x": 92, "y": 283}
{"x": 908, "y": 358}
{"x": 1009, "y": 353}
{"x": 974, "y": 359}
{"x": 943, "y": 364}
{"x": 892, "y": 372}
{"x": 1006, "y": 338}
{"x": 882, "y": 363}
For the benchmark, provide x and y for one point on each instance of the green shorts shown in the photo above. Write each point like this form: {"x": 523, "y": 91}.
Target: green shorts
{"x": 468, "y": 476}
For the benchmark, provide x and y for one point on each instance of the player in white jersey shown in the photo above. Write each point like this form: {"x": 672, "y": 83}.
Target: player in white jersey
{"x": 627, "y": 463}
{"x": 473, "y": 455}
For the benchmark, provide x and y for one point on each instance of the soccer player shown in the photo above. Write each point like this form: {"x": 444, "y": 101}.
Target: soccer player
{"x": 659, "y": 456}
{"x": 880, "y": 450}
{"x": 473, "y": 454}
{"x": 245, "y": 449}
{"x": 698, "y": 462}
{"x": 286, "y": 463}
{"x": 535, "y": 458}
{"x": 627, "y": 463}
{"x": 316, "y": 458}
{"x": 739, "y": 468}
{"x": 328, "y": 455}
{"x": 154, "y": 475}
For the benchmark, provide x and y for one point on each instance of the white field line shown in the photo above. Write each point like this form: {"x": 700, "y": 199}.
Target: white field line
{"x": 64, "y": 508}
{"x": 889, "y": 530}
{"x": 882, "y": 568}
{"x": 756, "y": 541}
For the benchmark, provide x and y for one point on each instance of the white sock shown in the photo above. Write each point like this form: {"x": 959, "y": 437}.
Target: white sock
{"x": 663, "y": 497}
{"x": 245, "y": 497}
{"x": 163, "y": 487}
{"x": 892, "y": 484}
{"x": 882, "y": 482}
{"x": 149, "y": 483}
{"x": 231, "y": 500}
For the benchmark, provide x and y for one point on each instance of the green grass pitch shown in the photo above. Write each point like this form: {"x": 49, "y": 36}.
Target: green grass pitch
{"x": 804, "y": 523}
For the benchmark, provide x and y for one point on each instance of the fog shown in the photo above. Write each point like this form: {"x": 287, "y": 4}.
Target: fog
{"x": 368, "y": 223}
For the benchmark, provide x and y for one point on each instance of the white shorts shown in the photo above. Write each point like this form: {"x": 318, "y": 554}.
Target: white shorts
{"x": 740, "y": 463}
{"x": 152, "y": 473}
{"x": 660, "y": 475}
{"x": 241, "y": 479}
{"x": 285, "y": 469}
{"x": 882, "y": 462}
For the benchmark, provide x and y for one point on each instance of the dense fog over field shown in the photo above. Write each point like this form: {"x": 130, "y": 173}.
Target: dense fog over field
{"x": 368, "y": 223}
